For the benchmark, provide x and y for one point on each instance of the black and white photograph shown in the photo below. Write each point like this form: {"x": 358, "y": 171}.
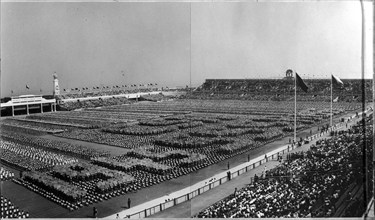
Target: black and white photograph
{"x": 187, "y": 109}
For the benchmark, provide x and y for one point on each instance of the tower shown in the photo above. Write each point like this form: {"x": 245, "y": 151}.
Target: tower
{"x": 56, "y": 88}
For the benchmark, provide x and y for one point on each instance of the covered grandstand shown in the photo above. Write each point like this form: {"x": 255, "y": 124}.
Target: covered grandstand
{"x": 280, "y": 90}
{"x": 26, "y": 103}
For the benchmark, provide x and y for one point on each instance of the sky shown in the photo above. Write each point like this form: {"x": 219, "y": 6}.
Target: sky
{"x": 175, "y": 44}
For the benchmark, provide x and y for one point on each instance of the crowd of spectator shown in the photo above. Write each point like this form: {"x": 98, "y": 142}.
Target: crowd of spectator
{"x": 109, "y": 101}
{"x": 92, "y": 103}
{"x": 104, "y": 91}
{"x": 279, "y": 90}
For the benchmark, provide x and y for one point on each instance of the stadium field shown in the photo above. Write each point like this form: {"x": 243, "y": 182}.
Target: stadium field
{"x": 167, "y": 165}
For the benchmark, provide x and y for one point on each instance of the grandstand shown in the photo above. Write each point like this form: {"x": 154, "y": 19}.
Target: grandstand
{"x": 280, "y": 90}
{"x": 28, "y": 102}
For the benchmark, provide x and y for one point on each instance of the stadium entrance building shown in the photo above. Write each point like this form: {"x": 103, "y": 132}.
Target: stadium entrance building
{"x": 29, "y": 102}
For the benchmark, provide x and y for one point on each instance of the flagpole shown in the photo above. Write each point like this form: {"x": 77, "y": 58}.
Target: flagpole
{"x": 331, "y": 101}
{"x": 364, "y": 150}
{"x": 295, "y": 108}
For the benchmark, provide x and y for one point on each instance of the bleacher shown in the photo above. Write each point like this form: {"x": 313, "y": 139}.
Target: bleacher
{"x": 280, "y": 90}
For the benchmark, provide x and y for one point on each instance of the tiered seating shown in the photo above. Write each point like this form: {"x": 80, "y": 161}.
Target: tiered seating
{"x": 8, "y": 210}
{"x": 105, "y": 91}
{"x": 278, "y": 90}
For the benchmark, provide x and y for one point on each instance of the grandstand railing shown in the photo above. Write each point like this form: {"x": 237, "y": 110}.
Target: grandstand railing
{"x": 210, "y": 185}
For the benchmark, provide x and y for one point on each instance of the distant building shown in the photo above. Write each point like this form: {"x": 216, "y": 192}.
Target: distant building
{"x": 27, "y": 102}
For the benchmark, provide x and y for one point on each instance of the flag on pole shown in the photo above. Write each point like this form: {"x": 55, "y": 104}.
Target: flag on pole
{"x": 301, "y": 83}
{"x": 337, "y": 81}
{"x": 27, "y": 87}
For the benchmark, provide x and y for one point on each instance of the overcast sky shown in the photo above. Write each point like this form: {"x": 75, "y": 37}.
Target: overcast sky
{"x": 93, "y": 44}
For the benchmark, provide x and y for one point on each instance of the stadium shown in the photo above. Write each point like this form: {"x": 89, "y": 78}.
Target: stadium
{"x": 128, "y": 110}
{"x": 160, "y": 152}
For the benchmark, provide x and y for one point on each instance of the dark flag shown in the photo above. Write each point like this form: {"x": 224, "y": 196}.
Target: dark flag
{"x": 301, "y": 83}
{"x": 11, "y": 91}
{"x": 27, "y": 87}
